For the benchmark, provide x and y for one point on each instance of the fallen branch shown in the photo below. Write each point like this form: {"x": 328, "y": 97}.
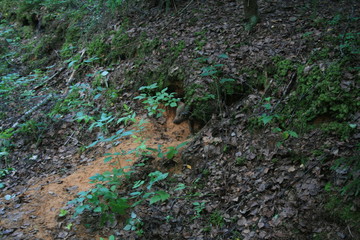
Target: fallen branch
{"x": 33, "y": 109}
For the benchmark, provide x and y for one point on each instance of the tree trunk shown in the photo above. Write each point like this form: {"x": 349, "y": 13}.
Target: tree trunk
{"x": 250, "y": 9}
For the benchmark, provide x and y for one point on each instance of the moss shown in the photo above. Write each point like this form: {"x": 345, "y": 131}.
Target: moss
{"x": 201, "y": 101}
{"x": 98, "y": 48}
{"x": 343, "y": 211}
{"x": 342, "y": 130}
{"x": 122, "y": 46}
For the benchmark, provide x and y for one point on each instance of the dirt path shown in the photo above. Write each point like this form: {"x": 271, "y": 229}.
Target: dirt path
{"x": 43, "y": 201}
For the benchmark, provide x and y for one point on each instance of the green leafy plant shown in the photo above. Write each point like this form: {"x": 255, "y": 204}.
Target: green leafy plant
{"x": 198, "y": 208}
{"x": 240, "y": 161}
{"x": 221, "y": 87}
{"x": 216, "y": 219}
{"x": 112, "y": 237}
{"x": 152, "y": 103}
{"x": 5, "y": 143}
{"x": 69, "y": 226}
{"x": 63, "y": 213}
{"x": 103, "y": 122}
{"x": 3, "y": 173}
{"x": 170, "y": 154}
{"x": 104, "y": 198}
{"x": 134, "y": 223}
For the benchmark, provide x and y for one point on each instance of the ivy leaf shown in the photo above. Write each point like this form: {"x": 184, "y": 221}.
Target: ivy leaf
{"x": 159, "y": 196}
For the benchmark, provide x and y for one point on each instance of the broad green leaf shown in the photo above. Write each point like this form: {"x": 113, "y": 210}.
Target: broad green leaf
{"x": 285, "y": 135}
{"x": 159, "y": 196}
{"x": 181, "y": 145}
{"x": 135, "y": 194}
{"x": 108, "y": 159}
{"x": 97, "y": 96}
{"x": 223, "y": 55}
{"x": 267, "y": 106}
{"x": 352, "y": 125}
{"x": 104, "y": 73}
{"x": 119, "y": 206}
{"x": 138, "y": 183}
{"x": 266, "y": 119}
{"x": 98, "y": 209}
{"x": 276, "y": 130}
{"x": 180, "y": 186}
{"x": 225, "y": 80}
{"x": 293, "y": 134}
{"x": 155, "y": 177}
{"x": 128, "y": 227}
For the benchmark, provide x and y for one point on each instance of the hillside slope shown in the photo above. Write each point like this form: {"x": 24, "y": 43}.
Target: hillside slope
{"x": 275, "y": 110}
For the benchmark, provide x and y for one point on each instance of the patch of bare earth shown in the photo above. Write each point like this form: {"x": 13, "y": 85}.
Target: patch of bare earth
{"x": 38, "y": 214}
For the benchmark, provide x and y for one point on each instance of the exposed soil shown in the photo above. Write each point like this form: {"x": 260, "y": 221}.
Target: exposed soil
{"x": 35, "y": 213}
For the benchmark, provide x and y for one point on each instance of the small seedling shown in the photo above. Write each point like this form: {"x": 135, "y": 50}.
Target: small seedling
{"x": 63, "y": 213}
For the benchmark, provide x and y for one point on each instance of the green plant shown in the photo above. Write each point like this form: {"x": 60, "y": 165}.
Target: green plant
{"x": 5, "y": 143}
{"x": 32, "y": 128}
{"x": 3, "y": 173}
{"x": 63, "y": 213}
{"x": 76, "y": 62}
{"x": 112, "y": 237}
{"x": 152, "y": 102}
{"x": 170, "y": 154}
{"x": 69, "y": 226}
{"x": 103, "y": 122}
{"x": 198, "y": 208}
{"x": 216, "y": 219}
{"x": 128, "y": 116}
{"x": 76, "y": 97}
{"x": 342, "y": 210}
{"x": 350, "y": 43}
{"x": 251, "y": 24}
{"x": 134, "y": 223}
{"x": 351, "y": 165}
{"x": 343, "y": 130}
{"x": 104, "y": 198}
{"x": 221, "y": 87}
{"x": 240, "y": 161}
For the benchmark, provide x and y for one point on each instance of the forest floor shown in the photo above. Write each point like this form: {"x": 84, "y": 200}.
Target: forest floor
{"x": 242, "y": 182}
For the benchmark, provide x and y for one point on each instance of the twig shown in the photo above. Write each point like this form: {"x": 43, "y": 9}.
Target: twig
{"x": 73, "y": 73}
{"x": 70, "y": 137}
{"x": 29, "y": 112}
{"x": 48, "y": 80}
